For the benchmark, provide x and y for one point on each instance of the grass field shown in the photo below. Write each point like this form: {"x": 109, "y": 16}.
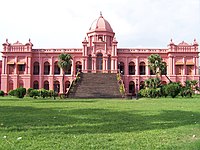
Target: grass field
{"x": 146, "y": 124}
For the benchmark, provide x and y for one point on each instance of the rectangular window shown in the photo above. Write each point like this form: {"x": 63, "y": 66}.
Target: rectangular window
{"x": 179, "y": 70}
{"x": 11, "y": 69}
{"x": 189, "y": 70}
{"x": 21, "y": 68}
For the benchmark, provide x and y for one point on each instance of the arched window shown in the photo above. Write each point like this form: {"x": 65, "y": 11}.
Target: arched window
{"x": 151, "y": 72}
{"x": 56, "y": 68}
{"x": 46, "y": 68}
{"x": 67, "y": 84}
{"x": 121, "y": 67}
{"x": 78, "y": 67}
{"x": 36, "y": 68}
{"x": 132, "y": 87}
{"x": 131, "y": 68}
{"x": 56, "y": 86}
{"x": 46, "y": 85}
{"x": 142, "y": 68}
{"x": 164, "y": 72}
{"x": 10, "y": 85}
{"x": 99, "y": 62}
{"x": 109, "y": 63}
{"x": 36, "y": 85}
{"x": 89, "y": 63}
{"x": 21, "y": 83}
{"x": 163, "y": 82}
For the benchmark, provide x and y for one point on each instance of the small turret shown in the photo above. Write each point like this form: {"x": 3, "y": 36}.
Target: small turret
{"x": 195, "y": 43}
{"x": 6, "y": 45}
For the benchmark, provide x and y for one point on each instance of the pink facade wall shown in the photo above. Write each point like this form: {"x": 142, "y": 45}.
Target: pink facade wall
{"x": 0, "y": 71}
{"x": 23, "y": 65}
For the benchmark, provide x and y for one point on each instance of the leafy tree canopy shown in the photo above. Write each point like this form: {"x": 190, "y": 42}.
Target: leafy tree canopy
{"x": 156, "y": 64}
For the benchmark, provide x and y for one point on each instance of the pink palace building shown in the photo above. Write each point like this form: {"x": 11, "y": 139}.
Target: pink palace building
{"x": 23, "y": 65}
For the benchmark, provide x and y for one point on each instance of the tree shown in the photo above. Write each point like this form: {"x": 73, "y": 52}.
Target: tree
{"x": 65, "y": 63}
{"x": 156, "y": 64}
{"x": 173, "y": 89}
{"x": 152, "y": 88}
{"x": 189, "y": 88}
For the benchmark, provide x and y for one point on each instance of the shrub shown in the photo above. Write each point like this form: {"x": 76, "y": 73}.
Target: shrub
{"x": 1, "y": 93}
{"x": 186, "y": 91}
{"x": 55, "y": 94}
{"x": 150, "y": 92}
{"x": 78, "y": 79}
{"x": 12, "y": 93}
{"x": 44, "y": 93}
{"x": 173, "y": 89}
{"x": 34, "y": 93}
{"x": 20, "y": 92}
{"x": 164, "y": 91}
{"x": 121, "y": 89}
{"x": 50, "y": 93}
{"x": 142, "y": 93}
{"x": 29, "y": 90}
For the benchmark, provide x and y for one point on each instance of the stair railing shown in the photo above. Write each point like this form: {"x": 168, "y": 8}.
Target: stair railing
{"x": 168, "y": 78}
{"x": 121, "y": 85}
{"x": 74, "y": 82}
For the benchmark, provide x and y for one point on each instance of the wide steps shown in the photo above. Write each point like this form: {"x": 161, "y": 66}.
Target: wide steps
{"x": 99, "y": 85}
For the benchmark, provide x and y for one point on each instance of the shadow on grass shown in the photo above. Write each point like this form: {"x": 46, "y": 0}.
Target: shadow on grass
{"x": 66, "y": 101}
{"x": 82, "y": 121}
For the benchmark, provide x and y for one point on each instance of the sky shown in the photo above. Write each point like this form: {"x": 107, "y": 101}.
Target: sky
{"x": 64, "y": 23}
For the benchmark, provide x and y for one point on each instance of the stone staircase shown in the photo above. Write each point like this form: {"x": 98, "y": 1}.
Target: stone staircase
{"x": 97, "y": 85}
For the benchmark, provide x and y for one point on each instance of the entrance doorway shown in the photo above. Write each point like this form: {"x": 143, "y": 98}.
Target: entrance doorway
{"x": 99, "y": 62}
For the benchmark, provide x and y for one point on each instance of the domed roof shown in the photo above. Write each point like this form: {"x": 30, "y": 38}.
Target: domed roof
{"x": 100, "y": 24}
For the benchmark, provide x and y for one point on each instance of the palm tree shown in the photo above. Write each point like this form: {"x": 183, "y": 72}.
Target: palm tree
{"x": 65, "y": 63}
{"x": 156, "y": 64}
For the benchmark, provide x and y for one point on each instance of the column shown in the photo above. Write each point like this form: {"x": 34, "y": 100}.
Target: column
{"x": 106, "y": 63}
{"x": 147, "y": 70}
{"x": 16, "y": 66}
{"x": 83, "y": 65}
{"x": 51, "y": 67}
{"x": 3, "y": 64}
{"x": 184, "y": 66}
{"x": 196, "y": 65}
{"x": 6, "y": 66}
{"x": 62, "y": 80}
{"x": 94, "y": 65}
{"x": 169, "y": 67}
{"x": 126, "y": 68}
{"x": 41, "y": 73}
{"x": 86, "y": 64}
{"x": 115, "y": 66}
{"x": 27, "y": 64}
{"x": 73, "y": 67}
{"x": 173, "y": 65}
{"x": 103, "y": 65}
{"x": 137, "y": 66}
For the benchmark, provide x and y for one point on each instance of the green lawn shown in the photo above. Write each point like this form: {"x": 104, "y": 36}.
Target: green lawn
{"x": 100, "y": 124}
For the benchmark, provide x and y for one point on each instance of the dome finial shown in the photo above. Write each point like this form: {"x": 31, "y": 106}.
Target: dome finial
{"x": 195, "y": 42}
{"x": 171, "y": 42}
{"x": 100, "y": 13}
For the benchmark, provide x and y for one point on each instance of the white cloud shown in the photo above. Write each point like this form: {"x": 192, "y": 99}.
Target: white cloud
{"x": 61, "y": 23}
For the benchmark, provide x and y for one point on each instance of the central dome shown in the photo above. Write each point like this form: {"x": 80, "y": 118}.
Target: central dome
{"x": 100, "y": 24}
